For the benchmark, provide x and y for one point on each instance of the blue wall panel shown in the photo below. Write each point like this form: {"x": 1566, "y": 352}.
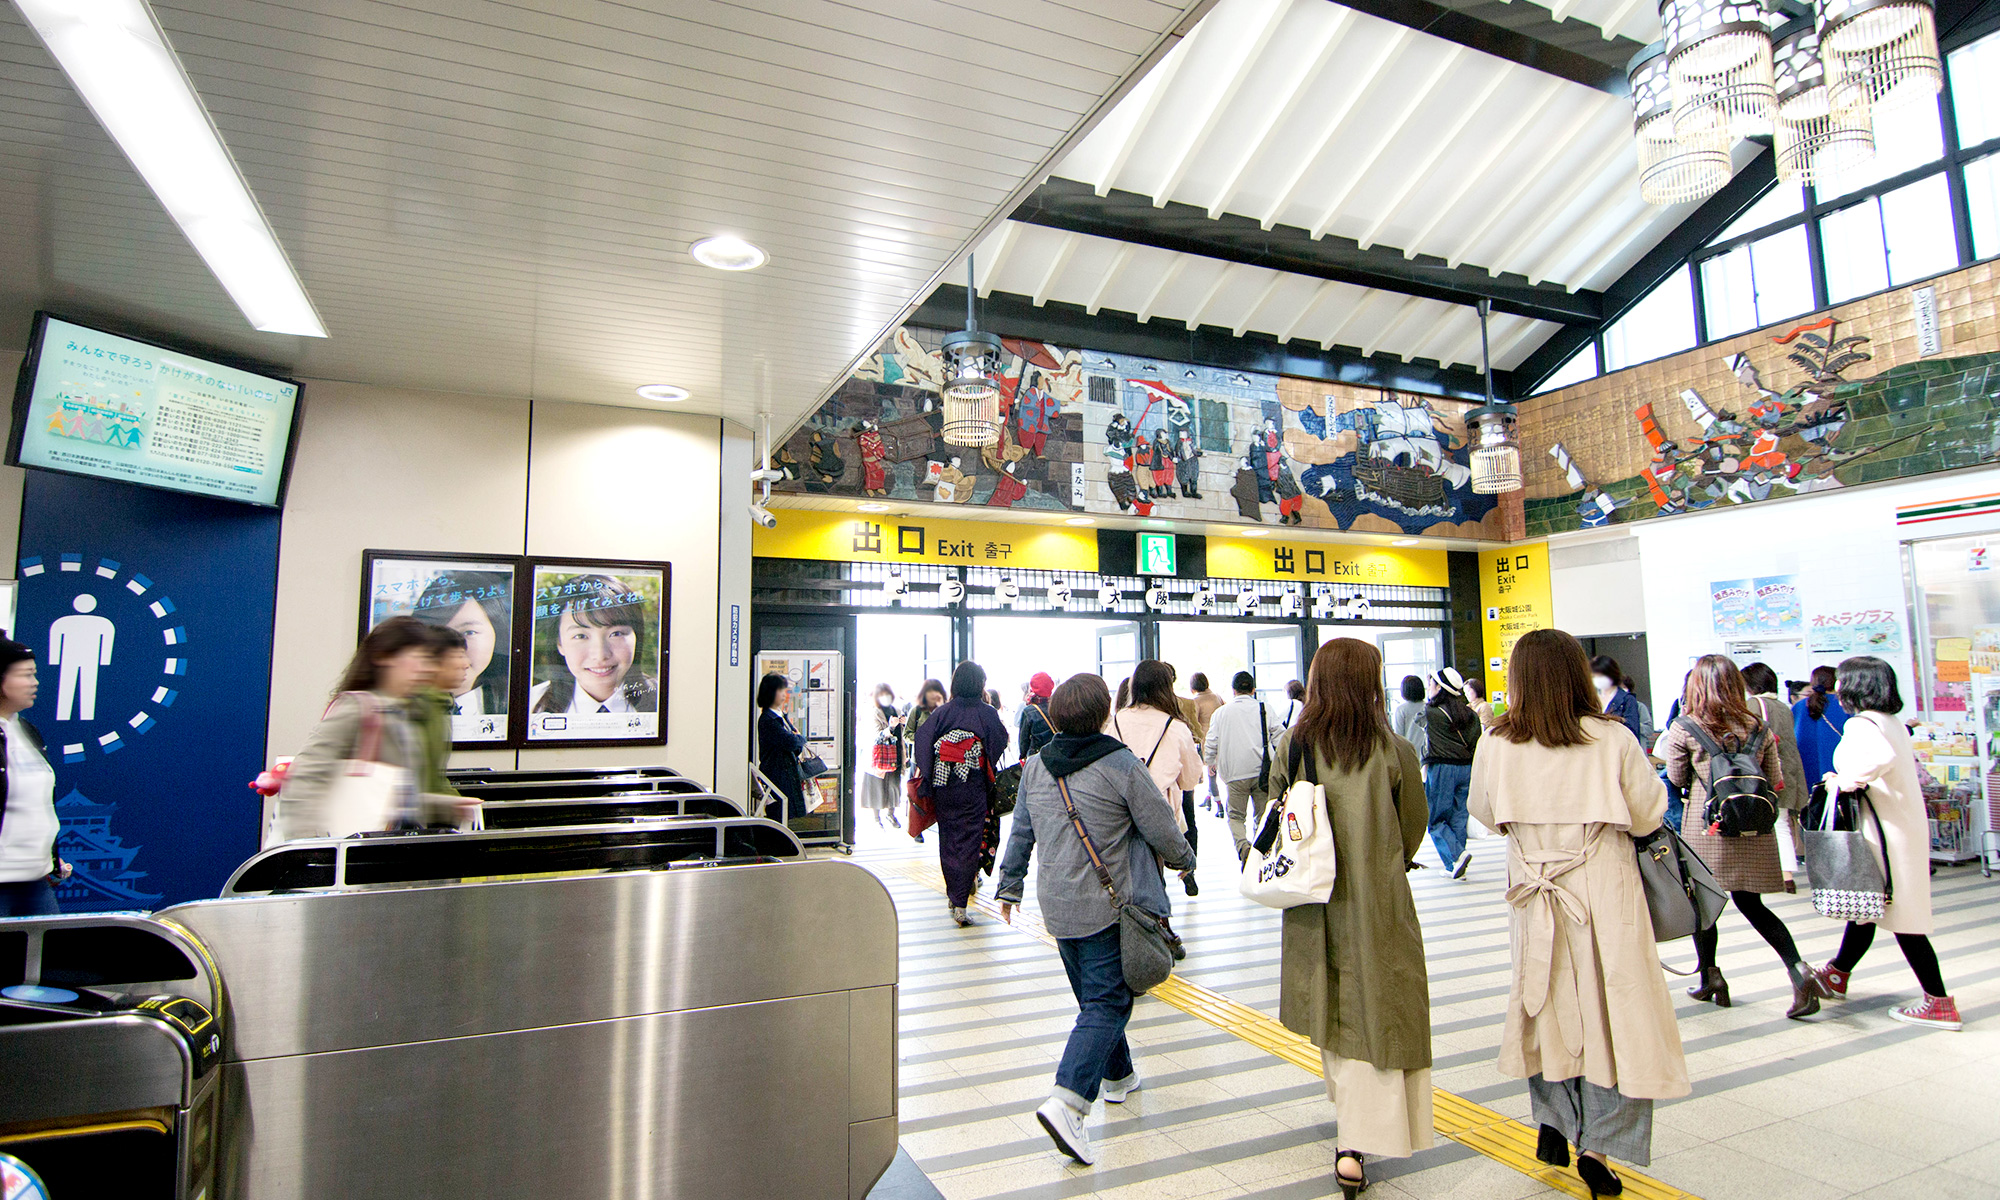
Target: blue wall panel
{"x": 165, "y": 603}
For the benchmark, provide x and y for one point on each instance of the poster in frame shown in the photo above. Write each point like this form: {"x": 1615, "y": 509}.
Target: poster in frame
{"x": 476, "y": 594}
{"x": 597, "y": 641}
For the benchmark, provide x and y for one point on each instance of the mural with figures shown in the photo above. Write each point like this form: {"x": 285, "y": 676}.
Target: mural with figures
{"x": 1083, "y": 431}
{"x": 1858, "y": 394}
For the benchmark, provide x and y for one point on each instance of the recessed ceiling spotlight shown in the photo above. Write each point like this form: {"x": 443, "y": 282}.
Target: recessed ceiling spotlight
{"x": 871, "y": 507}
{"x": 665, "y": 393}
{"x": 1156, "y": 523}
{"x": 1405, "y": 542}
{"x": 1081, "y": 521}
{"x": 727, "y": 252}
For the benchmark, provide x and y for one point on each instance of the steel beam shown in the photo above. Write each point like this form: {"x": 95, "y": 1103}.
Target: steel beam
{"x": 1188, "y": 229}
{"x": 1523, "y": 34}
{"x": 1109, "y": 332}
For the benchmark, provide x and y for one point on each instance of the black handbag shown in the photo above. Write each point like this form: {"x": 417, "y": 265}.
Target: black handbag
{"x": 1681, "y": 893}
{"x": 812, "y": 766}
{"x": 1147, "y": 945}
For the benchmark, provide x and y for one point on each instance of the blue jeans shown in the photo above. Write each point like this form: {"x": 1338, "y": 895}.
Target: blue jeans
{"x": 1446, "y": 786}
{"x": 1676, "y": 804}
{"x": 1096, "y": 1050}
{"x": 34, "y": 898}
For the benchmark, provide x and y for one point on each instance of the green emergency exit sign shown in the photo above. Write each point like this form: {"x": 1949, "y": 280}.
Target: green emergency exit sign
{"x": 1156, "y": 554}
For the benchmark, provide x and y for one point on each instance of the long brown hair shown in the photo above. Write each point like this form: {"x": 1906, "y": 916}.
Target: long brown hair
{"x": 1549, "y": 692}
{"x": 1715, "y": 697}
{"x": 1345, "y": 718}
{"x": 1153, "y": 686}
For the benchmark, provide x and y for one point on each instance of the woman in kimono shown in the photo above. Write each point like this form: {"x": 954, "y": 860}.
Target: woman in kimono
{"x": 1352, "y": 975}
{"x": 958, "y": 747}
{"x": 1589, "y": 1023}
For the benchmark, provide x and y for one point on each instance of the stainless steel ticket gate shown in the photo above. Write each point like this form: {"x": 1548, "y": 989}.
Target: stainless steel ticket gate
{"x": 621, "y": 1032}
{"x": 108, "y": 1044}
{"x": 591, "y": 810}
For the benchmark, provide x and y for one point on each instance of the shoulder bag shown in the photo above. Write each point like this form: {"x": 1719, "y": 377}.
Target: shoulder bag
{"x": 1264, "y": 744}
{"x": 365, "y": 796}
{"x": 1850, "y": 880}
{"x": 1682, "y": 895}
{"x": 1147, "y": 945}
{"x": 1292, "y": 860}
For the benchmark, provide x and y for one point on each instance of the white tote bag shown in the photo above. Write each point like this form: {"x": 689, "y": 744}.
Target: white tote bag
{"x": 362, "y": 797}
{"x": 1292, "y": 859}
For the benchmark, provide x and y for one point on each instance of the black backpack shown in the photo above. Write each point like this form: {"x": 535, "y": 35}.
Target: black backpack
{"x": 1740, "y": 799}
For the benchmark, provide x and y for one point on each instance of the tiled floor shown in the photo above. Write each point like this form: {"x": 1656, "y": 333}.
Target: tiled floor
{"x": 1848, "y": 1103}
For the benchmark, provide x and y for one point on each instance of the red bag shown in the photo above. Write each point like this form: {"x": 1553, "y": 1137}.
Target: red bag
{"x": 885, "y": 756}
{"x": 922, "y": 815}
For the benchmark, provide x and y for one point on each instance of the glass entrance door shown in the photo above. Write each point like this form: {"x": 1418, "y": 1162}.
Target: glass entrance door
{"x": 1117, "y": 651}
{"x": 1274, "y": 660}
{"x": 1416, "y": 652}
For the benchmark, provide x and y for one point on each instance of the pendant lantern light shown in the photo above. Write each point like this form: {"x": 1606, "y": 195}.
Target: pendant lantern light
{"x": 1496, "y": 453}
{"x": 1719, "y": 58}
{"x": 1824, "y": 127}
{"x": 1674, "y": 165}
{"x": 972, "y": 383}
{"x": 1889, "y": 47}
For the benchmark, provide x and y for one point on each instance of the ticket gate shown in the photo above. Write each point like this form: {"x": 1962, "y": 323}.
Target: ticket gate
{"x": 424, "y": 857}
{"x": 503, "y": 788}
{"x": 593, "y": 810}
{"x": 109, "y": 1040}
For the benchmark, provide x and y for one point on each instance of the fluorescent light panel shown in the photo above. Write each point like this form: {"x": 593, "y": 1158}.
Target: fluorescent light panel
{"x": 118, "y": 59}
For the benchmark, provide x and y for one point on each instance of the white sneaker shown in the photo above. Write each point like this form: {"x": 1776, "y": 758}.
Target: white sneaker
{"x": 1464, "y": 862}
{"x": 1114, "y": 1091}
{"x": 1065, "y": 1126}
{"x": 961, "y": 916}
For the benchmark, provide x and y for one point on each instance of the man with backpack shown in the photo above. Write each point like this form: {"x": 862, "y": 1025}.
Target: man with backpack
{"x": 1238, "y": 750}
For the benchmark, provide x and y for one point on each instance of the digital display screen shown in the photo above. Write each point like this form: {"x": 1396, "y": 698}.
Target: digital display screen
{"x": 109, "y": 407}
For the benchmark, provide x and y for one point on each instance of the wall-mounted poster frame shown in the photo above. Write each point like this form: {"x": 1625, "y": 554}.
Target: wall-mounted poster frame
{"x": 602, "y": 627}
{"x": 595, "y": 652}
{"x": 480, "y": 596}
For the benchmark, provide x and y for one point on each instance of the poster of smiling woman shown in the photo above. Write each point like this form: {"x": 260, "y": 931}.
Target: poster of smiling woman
{"x": 475, "y": 597}
{"x": 600, "y": 649}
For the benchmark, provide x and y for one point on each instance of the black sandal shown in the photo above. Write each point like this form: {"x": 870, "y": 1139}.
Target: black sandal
{"x": 1350, "y": 1188}
{"x": 1598, "y": 1177}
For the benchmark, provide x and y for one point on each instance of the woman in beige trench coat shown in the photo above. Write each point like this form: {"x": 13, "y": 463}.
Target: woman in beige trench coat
{"x": 1589, "y": 1023}
{"x": 1352, "y": 976}
{"x": 1875, "y": 753}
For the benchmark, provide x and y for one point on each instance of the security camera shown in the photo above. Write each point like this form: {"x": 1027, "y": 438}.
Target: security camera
{"x": 763, "y": 516}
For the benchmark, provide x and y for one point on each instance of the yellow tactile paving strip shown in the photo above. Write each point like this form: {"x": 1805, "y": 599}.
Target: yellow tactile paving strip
{"x": 1500, "y": 1138}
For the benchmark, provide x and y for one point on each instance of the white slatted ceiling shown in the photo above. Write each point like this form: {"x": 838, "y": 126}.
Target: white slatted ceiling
{"x": 1308, "y": 114}
{"x": 496, "y": 197}
{"x": 1153, "y": 283}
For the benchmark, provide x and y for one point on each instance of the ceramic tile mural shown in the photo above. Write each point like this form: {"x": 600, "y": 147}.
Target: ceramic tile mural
{"x": 1101, "y": 433}
{"x": 1823, "y": 401}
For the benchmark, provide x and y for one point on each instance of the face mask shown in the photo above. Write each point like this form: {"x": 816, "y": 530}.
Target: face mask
{"x": 1603, "y": 683}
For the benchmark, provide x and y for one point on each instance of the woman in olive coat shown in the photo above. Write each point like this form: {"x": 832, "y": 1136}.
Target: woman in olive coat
{"x": 1352, "y": 975}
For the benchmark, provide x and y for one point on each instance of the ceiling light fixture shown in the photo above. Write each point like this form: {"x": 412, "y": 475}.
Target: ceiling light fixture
{"x": 1675, "y": 163}
{"x": 1889, "y": 47}
{"x": 1080, "y": 521}
{"x": 972, "y": 384}
{"x": 869, "y": 506}
{"x": 1719, "y": 58}
{"x": 1256, "y": 533}
{"x": 665, "y": 393}
{"x": 1405, "y": 541}
{"x": 119, "y": 61}
{"x": 1824, "y": 128}
{"x": 727, "y": 252}
{"x": 1496, "y": 456}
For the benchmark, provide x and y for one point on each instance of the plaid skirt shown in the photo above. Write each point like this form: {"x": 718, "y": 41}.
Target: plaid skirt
{"x": 1741, "y": 864}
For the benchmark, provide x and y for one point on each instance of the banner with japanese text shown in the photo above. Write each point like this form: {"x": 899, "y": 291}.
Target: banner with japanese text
{"x": 872, "y": 537}
{"x": 1514, "y": 597}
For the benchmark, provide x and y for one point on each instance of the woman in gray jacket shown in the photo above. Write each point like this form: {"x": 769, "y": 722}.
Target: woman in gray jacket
{"x": 368, "y": 720}
{"x": 1118, "y": 802}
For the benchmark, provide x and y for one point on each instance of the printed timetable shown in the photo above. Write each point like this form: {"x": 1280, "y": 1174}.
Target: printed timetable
{"x": 115, "y": 408}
